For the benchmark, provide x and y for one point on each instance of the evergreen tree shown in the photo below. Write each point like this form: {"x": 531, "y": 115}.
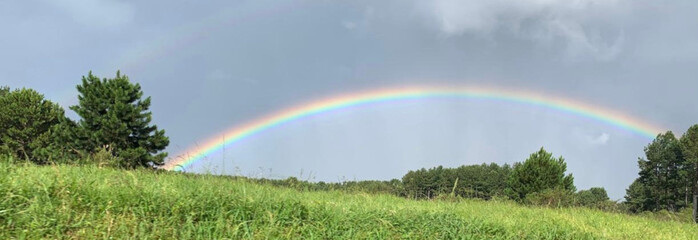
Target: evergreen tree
{"x": 113, "y": 114}
{"x": 638, "y": 197}
{"x": 663, "y": 173}
{"x": 415, "y": 183}
{"x": 689, "y": 150}
{"x": 27, "y": 121}
{"x": 541, "y": 171}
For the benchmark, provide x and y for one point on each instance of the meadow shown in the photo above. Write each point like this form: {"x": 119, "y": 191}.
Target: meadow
{"x": 89, "y": 202}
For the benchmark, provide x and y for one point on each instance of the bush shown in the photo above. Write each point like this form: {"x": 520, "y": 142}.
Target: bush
{"x": 105, "y": 158}
{"x": 594, "y": 197}
{"x": 551, "y": 198}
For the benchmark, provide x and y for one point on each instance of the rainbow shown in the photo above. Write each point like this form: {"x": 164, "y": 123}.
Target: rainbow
{"x": 239, "y": 133}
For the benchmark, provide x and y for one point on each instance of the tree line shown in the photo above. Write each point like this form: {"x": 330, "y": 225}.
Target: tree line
{"x": 541, "y": 179}
{"x": 667, "y": 181}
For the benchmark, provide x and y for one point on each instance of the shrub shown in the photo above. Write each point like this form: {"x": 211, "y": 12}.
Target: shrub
{"x": 551, "y": 198}
{"x": 592, "y": 197}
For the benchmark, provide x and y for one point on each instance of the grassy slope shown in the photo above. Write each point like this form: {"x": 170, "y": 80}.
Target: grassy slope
{"x": 89, "y": 202}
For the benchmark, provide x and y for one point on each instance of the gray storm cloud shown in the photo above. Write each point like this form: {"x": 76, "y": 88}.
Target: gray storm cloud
{"x": 576, "y": 23}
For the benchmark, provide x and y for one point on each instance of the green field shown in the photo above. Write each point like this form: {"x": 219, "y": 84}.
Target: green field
{"x": 89, "y": 202}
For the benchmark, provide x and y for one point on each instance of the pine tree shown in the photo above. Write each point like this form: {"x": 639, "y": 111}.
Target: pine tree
{"x": 638, "y": 197}
{"x": 689, "y": 149}
{"x": 27, "y": 121}
{"x": 541, "y": 171}
{"x": 113, "y": 114}
{"x": 662, "y": 173}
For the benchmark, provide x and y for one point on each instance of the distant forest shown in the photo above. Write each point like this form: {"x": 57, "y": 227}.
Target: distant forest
{"x": 115, "y": 130}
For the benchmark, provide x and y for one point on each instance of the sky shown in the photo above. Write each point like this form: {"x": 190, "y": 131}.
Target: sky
{"x": 215, "y": 65}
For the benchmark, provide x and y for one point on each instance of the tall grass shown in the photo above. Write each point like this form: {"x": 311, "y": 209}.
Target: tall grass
{"x": 88, "y": 202}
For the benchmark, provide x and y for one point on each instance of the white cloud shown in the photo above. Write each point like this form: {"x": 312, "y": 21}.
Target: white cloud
{"x": 587, "y": 27}
{"x": 103, "y": 13}
{"x": 600, "y": 140}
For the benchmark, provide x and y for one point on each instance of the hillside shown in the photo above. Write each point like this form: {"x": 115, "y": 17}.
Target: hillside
{"x": 90, "y": 202}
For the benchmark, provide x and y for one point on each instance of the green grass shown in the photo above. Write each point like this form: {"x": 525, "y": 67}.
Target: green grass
{"x": 98, "y": 203}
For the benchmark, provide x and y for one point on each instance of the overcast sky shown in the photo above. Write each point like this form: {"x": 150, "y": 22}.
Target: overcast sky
{"x": 211, "y": 66}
